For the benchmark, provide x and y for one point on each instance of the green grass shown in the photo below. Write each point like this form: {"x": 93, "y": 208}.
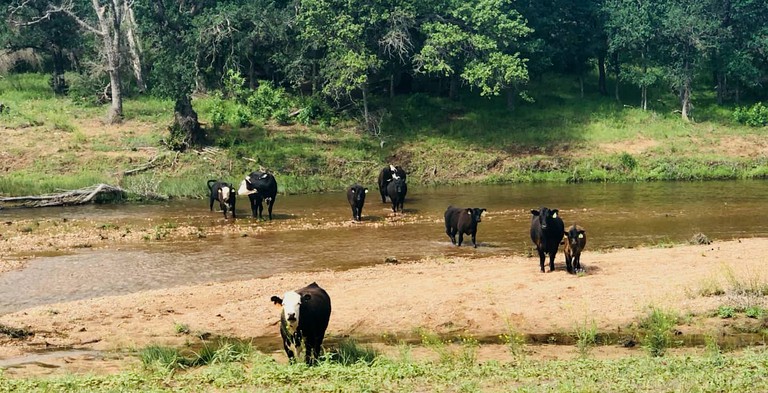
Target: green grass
{"x": 657, "y": 328}
{"x": 724, "y": 372}
{"x": 439, "y": 141}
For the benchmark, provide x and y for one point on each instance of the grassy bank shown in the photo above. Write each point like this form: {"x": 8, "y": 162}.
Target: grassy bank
{"x": 460, "y": 372}
{"x": 59, "y": 143}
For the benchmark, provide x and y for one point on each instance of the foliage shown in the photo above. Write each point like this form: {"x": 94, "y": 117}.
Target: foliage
{"x": 657, "y": 327}
{"x": 586, "y": 338}
{"x": 349, "y": 352}
{"x": 754, "y": 116}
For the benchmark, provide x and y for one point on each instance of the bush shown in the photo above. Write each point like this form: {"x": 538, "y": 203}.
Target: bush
{"x": 88, "y": 90}
{"x": 755, "y": 116}
{"x": 658, "y": 335}
{"x": 267, "y": 100}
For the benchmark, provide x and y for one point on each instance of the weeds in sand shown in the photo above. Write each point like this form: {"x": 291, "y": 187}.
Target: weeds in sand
{"x": 586, "y": 337}
{"x": 725, "y": 312}
{"x": 657, "y": 328}
{"x": 181, "y": 328}
{"x": 515, "y": 342}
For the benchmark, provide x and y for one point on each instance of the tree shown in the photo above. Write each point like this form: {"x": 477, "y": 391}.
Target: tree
{"x": 688, "y": 32}
{"x": 111, "y": 22}
{"x": 474, "y": 41}
{"x": 633, "y": 28}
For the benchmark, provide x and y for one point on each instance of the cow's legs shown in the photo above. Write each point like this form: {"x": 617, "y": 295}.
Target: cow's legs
{"x": 577, "y": 263}
{"x": 568, "y": 264}
{"x": 474, "y": 241}
{"x": 541, "y": 259}
{"x": 461, "y": 238}
{"x": 271, "y": 203}
{"x": 552, "y": 261}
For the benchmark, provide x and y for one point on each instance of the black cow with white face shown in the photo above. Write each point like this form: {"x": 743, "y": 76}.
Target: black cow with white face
{"x": 547, "y": 230}
{"x": 356, "y": 198}
{"x": 462, "y": 221}
{"x": 225, "y": 194}
{"x": 385, "y": 177}
{"x": 303, "y": 321}
{"x": 259, "y": 186}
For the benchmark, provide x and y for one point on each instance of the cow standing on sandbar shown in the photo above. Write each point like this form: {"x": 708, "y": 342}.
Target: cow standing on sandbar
{"x": 303, "y": 321}
{"x": 547, "y": 230}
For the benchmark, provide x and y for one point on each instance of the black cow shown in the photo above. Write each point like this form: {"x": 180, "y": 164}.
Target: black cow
{"x": 259, "y": 186}
{"x": 462, "y": 221}
{"x": 396, "y": 190}
{"x": 303, "y": 321}
{"x": 547, "y": 231}
{"x": 225, "y": 194}
{"x": 356, "y": 198}
{"x": 575, "y": 241}
{"x": 385, "y": 176}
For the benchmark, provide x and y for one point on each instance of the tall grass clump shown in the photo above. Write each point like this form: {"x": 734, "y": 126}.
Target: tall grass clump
{"x": 586, "y": 337}
{"x": 349, "y": 352}
{"x": 163, "y": 358}
{"x": 658, "y": 334}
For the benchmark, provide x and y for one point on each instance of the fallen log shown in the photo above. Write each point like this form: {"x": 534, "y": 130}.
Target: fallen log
{"x": 71, "y": 197}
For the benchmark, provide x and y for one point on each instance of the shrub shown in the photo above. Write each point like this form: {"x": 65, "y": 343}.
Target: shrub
{"x": 755, "y": 116}
{"x": 657, "y": 327}
{"x": 268, "y": 99}
{"x": 726, "y": 312}
{"x": 350, "y": 352}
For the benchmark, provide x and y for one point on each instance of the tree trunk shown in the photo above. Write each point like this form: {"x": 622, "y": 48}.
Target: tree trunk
{"x": 644, "y": 97}
{"x": 185, "y": 130}
{"x": 392, "y": 85}
{"x": 686, "y": 101}
{"x": 601, "y": 75}
{"x": 511, "y": 93}
{"x": 58, "y": 83}
{"x": 720, "y": 87}
{"x": 110, "y": 32}
{"x": 453, "y": 89}
{"x": 364, "y": 89}
{"x": 581, "y": 85}
{"x": 616, "y": 70}
{"x": 134, "y": 47}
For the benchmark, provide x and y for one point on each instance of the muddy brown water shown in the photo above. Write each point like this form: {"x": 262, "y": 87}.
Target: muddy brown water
{"x": 313, "y": 232}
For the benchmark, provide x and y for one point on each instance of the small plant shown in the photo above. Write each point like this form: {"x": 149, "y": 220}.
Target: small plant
{"x": 726, "y": 312}
{"x": 223, "y": 351}
{"x": 163, "y": 358}
{"x": 627, "y": 161}
{"x": 657, "y": 327}
{"x": 754, "y": 312}
{"x": 181, "y": 328}
{"x": 515, "y": 341}
{"x": 349, "y": 352}
{"x": 586, "y": 338}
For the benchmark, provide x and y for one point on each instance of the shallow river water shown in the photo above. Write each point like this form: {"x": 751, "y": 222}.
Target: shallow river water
{"x": 614, "y": 215}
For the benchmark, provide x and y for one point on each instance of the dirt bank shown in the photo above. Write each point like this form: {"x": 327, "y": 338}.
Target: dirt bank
{"x": 479, "y": 297}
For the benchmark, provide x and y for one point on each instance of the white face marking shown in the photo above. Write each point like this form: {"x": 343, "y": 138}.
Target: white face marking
{"x": 392, "y": 168}
{"x": 225, "y": 193}
{"x": 291, "y": 305}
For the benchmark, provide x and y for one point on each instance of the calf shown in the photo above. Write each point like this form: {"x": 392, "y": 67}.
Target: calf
{"x": 225, "y": 194}
{"x": 303, "y": 321}
{"x": 575, "y": 241}
{"x": 259, "y": 186}
{"x": 462, "y": 221}
{"x": 547, "y": 231}
{"x": 356, "y": 198}
{"x": 396, "y": 190}
{"x": 385, "y": 176}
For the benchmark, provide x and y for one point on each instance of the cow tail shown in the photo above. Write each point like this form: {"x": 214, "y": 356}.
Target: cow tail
{"x": 210, "y": 184}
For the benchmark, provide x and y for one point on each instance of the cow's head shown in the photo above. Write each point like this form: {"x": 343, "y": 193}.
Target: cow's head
{"x": 575, "y": 235}
{"x": 476, "y": 213}
{"x": 291, "y": 303}
{"x": 545, "y": 216}
{"x": 358, "y": 193}
{"x": 246, "y": 187}
{"x": 399, "y": 183}
{"x": 226, "y": 192}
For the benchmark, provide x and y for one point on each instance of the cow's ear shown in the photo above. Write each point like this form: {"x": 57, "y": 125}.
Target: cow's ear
{"x": 554, "y": 212}
{"x": 276, "y": 300}
{"x": 469, "y": 211}
{"x": 352, "y": 189}
{"x": 306, "y": 298}
{"x": 534, "y": 212}
{"x": 264, "y": 176}
{"x": 366, "y": 190}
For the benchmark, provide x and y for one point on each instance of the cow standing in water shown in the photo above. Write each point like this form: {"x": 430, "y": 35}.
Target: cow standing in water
{"x": 225, "y": 194}
{"x": 462, "y": 221}
{"x": 356, "y": 199}
{"x": 386, "y": 175}
{"x": 259, "y": 186}
{"x": 303, "y": 321}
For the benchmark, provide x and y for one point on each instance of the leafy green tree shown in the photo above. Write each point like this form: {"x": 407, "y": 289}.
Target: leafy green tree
{"x": 688, "y": 31}
{"x": 633, "y": 28}
{"x": 476, "y": 42}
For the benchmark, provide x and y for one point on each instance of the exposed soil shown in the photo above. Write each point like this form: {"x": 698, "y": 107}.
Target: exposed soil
{"x": 483, "y": 297}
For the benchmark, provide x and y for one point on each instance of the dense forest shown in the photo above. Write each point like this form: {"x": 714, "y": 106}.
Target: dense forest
{"x": 343, "y": 54}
